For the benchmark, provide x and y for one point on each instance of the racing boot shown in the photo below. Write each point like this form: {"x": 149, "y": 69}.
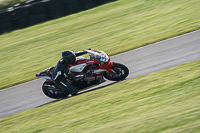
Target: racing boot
{"x": 71, "y": 89}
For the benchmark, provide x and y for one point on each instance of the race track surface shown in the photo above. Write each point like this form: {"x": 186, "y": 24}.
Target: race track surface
{"x": 141, "y": 61}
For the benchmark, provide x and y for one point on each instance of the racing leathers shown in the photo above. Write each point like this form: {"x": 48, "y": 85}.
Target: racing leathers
{"x": 61, "y": 70}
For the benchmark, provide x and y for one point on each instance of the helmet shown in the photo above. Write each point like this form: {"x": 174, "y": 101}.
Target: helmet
{"x": 69, "y": 57}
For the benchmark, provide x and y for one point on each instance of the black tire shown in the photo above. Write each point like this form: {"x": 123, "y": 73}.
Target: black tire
{"x": 88, "y": 4}
{"x": 36, "y": 19}
{"x": 72, "y": 6}
{"x": 6, "y": 27}
{"x": 22, "y": 12}
{"x": 121, "y": 70}
{"x": 38, "y": 8}
{"x": 75, "y": 93}
{"x": 56, "y": 13}
{"x": 5, "y": 14}
{"x": 56, "y": 94}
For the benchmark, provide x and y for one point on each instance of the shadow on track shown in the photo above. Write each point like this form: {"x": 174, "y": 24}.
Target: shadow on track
{"x": 81, "y": 92}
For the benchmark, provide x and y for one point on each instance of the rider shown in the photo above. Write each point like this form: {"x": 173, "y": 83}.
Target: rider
{"x": 61, "y": 70}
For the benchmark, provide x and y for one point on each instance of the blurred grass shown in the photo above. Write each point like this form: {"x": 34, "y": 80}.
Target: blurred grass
{"x": 167, "y": 101}
{"x": 115, "y": 27}
{"x": 8, "y": 3}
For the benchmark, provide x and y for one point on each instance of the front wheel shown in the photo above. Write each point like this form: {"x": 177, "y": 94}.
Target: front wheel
{"x": 51, "y": 91}
{"x": 121, "y": 70}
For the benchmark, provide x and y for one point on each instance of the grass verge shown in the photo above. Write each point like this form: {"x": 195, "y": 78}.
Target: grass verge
{"x": 166, "y": 101}
{"x": 8, "y": 3}
{"x": 115, "y": 27}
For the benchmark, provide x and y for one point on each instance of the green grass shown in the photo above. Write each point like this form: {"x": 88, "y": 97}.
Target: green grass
{"x": 167, "y": 101}
{"x": 8, "y": 3}
{"x": 114, "y": 28}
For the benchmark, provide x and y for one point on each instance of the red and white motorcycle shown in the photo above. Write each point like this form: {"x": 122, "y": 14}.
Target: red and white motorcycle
{"x": 100, "y": 65}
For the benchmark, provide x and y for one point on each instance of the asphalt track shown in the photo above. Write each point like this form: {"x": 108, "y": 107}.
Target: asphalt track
{"x": 141, "y": 61}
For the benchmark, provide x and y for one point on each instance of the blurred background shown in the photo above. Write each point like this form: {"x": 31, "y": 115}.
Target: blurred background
{"x": 17, "y": 14}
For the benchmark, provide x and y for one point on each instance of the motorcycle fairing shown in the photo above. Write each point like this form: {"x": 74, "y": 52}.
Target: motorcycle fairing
{"x": 45, "y": 74}
{"x": 109, "y": 69}
{"x": 78, "y": 68}
{"x": 82, "y": 66}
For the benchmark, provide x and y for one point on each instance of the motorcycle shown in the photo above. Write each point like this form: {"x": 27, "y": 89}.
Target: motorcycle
{"x": 99, "y": 64}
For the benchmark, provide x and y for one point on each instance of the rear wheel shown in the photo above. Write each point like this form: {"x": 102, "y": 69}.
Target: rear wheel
{"x": 51, "y": 91}
{"x": 121, "y": 70}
